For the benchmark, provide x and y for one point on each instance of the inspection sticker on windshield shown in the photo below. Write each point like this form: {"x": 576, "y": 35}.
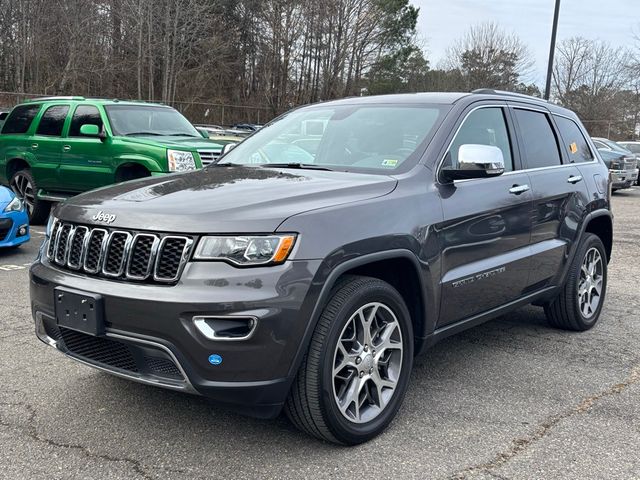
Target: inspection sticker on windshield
{"x": 388, "y": 162}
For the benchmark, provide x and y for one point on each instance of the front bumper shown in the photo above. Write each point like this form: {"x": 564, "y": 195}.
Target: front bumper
{"x": 156, "y": 321}
{"x": 10, "y": 224}
{"x": 623, "y": 178}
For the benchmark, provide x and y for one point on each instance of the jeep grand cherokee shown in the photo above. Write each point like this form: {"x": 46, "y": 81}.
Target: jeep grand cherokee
{"x": 308, "y": 279}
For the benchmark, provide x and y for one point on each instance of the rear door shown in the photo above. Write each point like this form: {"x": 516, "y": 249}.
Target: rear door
{"x": 85, "y": 163}
{"x": 46, "y": 145}
{"x": 560, "y": 194}
{"x": 484, "y": 239}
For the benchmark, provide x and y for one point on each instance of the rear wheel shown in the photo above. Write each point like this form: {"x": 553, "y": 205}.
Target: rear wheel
{"x": 580, "y": 302}
{"x": 356, "y": 372}
{"x": 24, "y": 186}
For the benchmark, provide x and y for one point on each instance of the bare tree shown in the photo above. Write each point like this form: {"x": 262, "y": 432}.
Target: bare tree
{"x": 488, "y": 56}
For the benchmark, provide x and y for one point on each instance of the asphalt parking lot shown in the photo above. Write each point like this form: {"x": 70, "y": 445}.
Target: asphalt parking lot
{"x": 512, "y": 399}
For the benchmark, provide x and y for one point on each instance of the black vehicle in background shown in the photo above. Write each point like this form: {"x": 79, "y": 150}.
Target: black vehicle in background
{"x": 308, "y": 279}
{"x": 3, "y": 116}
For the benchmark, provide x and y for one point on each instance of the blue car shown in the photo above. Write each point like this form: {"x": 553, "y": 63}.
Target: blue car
{"x": 14, "y": 221}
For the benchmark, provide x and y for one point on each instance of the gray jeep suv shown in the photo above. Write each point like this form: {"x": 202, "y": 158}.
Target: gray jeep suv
{"x": 307, "y": 268}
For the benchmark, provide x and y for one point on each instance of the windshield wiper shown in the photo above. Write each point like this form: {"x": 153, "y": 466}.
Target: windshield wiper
{"x": 301, "y": 166}
{"x": 183, "y": 135}
{"x": 143, "y": 133}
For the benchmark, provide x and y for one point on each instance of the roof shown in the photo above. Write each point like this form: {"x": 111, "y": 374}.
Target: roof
{"x": 101, "y": 101}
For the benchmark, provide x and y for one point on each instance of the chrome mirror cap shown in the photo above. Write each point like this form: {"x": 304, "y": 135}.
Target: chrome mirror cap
{"x": 486, "y": 158}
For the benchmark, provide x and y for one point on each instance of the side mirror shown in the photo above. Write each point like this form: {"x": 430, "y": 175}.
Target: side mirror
{"x": 203, "y": 132}
{"x": 89, "y": 130}
{"x": 475, "y": 161}
{"x": 228, "y": 147}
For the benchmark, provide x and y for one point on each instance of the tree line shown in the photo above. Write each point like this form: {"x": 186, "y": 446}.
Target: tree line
{"x": 276, "y": 54}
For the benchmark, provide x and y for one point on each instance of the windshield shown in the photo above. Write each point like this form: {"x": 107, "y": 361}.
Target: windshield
{"x": 375, "y": 138}
{"x": 134, "y": 120}
{"x": 615, "y": 146}
{"x": 632, "y": 147}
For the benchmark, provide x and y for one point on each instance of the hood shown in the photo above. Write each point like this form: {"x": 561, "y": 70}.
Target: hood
{"x": 6, "y": 195}
{"x": 231, "y": 199}
{"x": 198, "y": 143}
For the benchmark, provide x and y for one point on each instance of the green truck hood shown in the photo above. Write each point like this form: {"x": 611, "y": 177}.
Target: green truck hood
{"x": 183, "y": 143}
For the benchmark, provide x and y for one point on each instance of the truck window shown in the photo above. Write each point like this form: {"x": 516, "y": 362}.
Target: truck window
{"x": 84, "y": 115}
{"x": 20, "y": 118}
{"x": 52, "y": 121}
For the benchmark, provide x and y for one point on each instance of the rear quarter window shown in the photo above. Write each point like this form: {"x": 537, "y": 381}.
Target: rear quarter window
{"x": 20, "y": 119}
{"x": 573, "y": 140}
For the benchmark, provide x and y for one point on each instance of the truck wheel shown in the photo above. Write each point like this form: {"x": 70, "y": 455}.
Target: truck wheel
{"x": 354, "y": 377}
{"x": 580, "y": 301}
{"x": 24, "y": 186}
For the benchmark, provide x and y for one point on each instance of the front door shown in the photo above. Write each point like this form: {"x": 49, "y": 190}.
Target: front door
{"x": 85, "y": 162}
{"x": 485, "y": 235}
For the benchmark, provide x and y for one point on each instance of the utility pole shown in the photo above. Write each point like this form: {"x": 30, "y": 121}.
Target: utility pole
{"x": 552, "y": 50}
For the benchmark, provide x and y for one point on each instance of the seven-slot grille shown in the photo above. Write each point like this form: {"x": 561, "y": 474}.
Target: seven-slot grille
{"x": 120, "y": 254}
{"x": 208, "y": 156}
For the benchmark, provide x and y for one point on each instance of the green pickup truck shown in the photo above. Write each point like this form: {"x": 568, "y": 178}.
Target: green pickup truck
{"x": 53, "y": 148}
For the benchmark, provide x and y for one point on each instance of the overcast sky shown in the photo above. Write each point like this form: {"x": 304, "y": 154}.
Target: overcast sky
{"x": 442, "y": 22}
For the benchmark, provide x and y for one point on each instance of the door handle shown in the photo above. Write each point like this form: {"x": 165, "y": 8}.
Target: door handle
{"x": 519, "y": 189}
{"x": 574, "y": 179}
{"x": 34, "y": 146}
{"x": 66, "y": 148}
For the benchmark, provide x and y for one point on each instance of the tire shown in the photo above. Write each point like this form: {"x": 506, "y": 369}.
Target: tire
{"x": 570, "y": 310}
{"x": 313, "y": 403}
{"x": 25, "y": 187}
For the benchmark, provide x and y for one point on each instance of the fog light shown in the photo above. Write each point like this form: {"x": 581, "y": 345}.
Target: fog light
{"x": 226, "y": 328}
{"x": 23, "y": 230}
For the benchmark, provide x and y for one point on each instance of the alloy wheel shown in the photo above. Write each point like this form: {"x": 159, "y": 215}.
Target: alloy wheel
{"x": 590, "y": 283}
{"x": 22, "y": 187}
{"x": 367, "y": 362}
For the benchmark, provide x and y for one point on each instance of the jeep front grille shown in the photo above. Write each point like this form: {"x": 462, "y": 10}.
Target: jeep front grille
{"x": 121, "y": 254}
{"x": 208, "y": 156}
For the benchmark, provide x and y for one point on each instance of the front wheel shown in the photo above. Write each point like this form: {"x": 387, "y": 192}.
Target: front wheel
{"x": 24, "y": 186}
{"x": 356, "y": 372}
{"x": 579, "y": 304}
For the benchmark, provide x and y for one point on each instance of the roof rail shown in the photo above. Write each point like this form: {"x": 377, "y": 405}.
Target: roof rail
{"x": 44, "y": 99}
{"x": 491, "y": 91}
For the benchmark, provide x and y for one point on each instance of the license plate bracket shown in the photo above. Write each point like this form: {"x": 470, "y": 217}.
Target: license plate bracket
{"x": 80, "y": 311}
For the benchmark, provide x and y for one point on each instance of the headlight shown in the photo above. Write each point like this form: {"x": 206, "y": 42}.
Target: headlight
{"x": 246, "y": 250}
{"x": 180, "y": 161}
{"x": 15, "y": 205}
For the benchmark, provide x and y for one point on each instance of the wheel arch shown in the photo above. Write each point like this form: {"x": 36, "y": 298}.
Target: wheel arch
{"x": 601, "y": 224}
{"x": 376, "y": 265}
{"x": 129, "y": 165}
{"x": 149, "y": 163}
{"x": 14, "y": 165}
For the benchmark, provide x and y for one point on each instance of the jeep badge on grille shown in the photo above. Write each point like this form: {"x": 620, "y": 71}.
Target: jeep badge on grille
{"x": 104, "y": 217}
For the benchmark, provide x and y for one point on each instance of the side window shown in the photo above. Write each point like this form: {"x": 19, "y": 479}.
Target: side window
{"x": 485, "y": 126}
{"x": 574, "y": 142}
{"x": 599, "y": 144}
{"x": 52, "y": 121}
{"x": 538, "y": 138}
{"x": 20, "y": 118}
{"x": 84, "y": 115}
